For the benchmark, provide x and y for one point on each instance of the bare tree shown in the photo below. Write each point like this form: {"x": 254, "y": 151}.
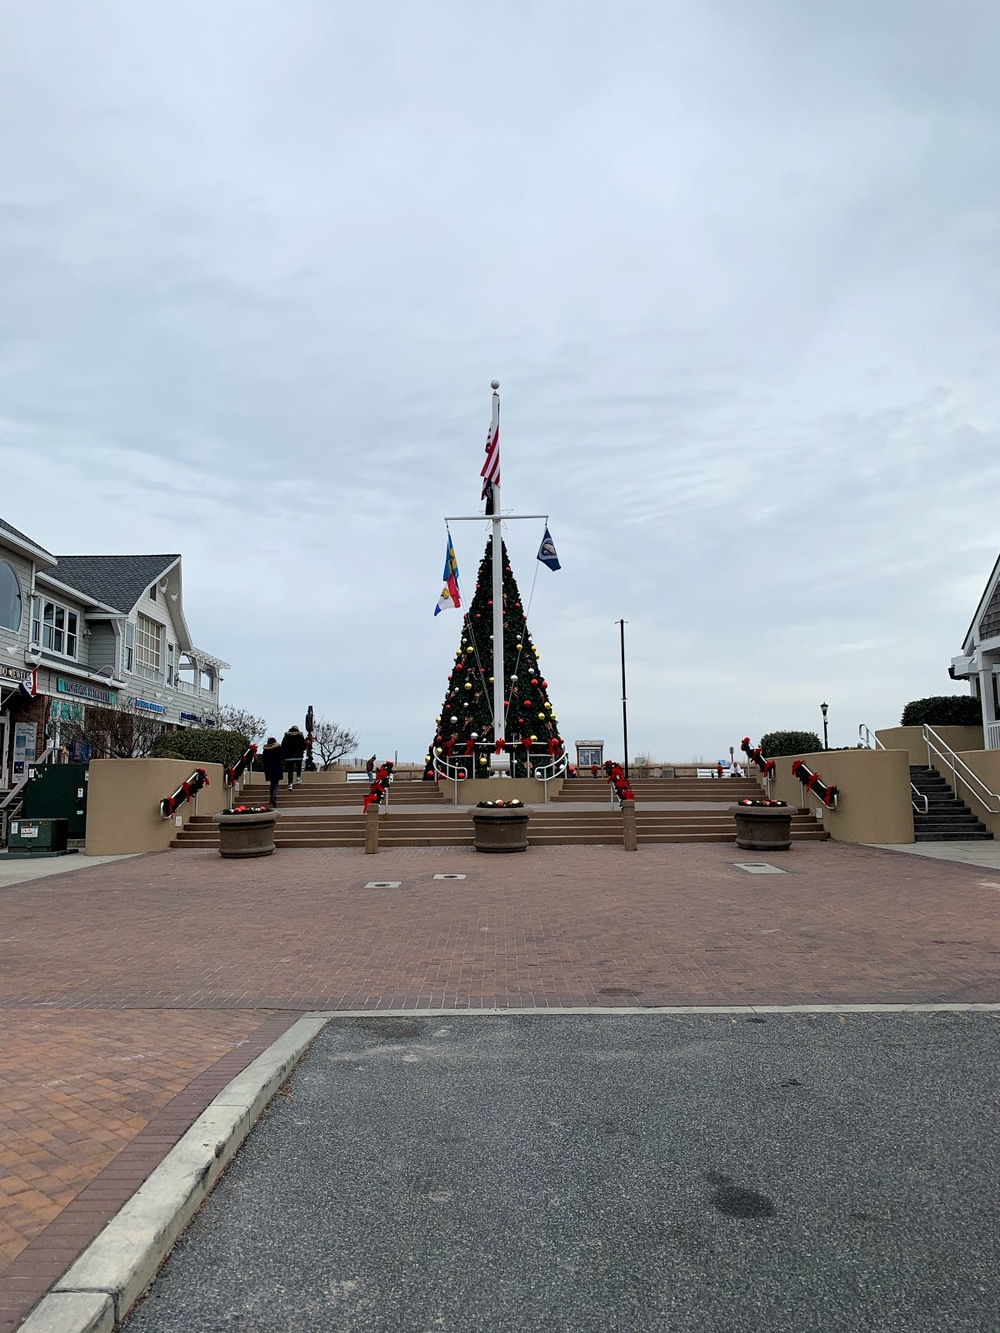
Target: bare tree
{"x": 333, "y": 742}
{"x": 116, "y": 731}
{"x": 242, "y": 720}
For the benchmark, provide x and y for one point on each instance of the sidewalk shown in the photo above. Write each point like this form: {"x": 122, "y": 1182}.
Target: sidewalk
{"x": 135, "y": 989}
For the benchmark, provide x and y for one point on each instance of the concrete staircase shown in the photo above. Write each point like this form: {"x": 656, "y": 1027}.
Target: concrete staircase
{"x": 338, "y": 795}
{"x": 723, "y": 790}
{"x": 450, "y": 827}
{"x": 947, "y": 819}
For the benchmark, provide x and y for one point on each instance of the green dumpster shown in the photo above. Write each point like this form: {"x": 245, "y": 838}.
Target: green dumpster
{"x": 37, "y": 837}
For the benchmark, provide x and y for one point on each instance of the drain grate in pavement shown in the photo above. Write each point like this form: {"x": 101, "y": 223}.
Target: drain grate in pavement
{"x": 384, "y": 884}
{"x": 759, "y": 868}
{"x": 449, "y": 877}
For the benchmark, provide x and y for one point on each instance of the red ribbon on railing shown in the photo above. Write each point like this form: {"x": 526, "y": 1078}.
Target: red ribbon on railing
{"x": 812, "y": 783}
{"x": 500, "y": 745}
{"x": 379, "y": 786}
{"x": 187, "y": 789}
{"x": 469, "y": 745}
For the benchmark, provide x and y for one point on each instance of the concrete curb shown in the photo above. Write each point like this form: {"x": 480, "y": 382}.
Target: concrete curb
{"x": 96, "y": 1293}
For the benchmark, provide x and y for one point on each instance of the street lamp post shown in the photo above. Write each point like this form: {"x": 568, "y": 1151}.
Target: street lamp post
{"x": 310, "y": 724}
{"x": 622, "y": 624}
{"x": 826, "y": 734}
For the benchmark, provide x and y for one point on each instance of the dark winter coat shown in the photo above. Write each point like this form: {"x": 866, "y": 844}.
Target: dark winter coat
{"x": 271, "y": 761}
{"x": 293, "y": 745}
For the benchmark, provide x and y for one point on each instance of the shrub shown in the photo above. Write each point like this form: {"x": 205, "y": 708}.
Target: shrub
{"x": 777, "y": 743}
{"x": 943, "y": 710}
{"x": 202, "y": 747}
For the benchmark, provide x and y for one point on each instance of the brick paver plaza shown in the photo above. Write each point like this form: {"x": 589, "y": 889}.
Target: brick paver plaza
{"x": 135, "y": 990}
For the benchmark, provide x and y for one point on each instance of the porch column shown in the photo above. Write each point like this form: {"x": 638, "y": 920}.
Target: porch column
{"x": 986, "y": 698}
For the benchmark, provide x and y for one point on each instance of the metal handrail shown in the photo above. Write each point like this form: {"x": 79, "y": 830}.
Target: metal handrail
{"x": 189, "y": 788}
{"x": 232, "y": 775}
{"x": 918, "y": 799}
{"x": 454, "y": 770}
{"x": 545, "y": 773}
{"x": 971, "y": 780}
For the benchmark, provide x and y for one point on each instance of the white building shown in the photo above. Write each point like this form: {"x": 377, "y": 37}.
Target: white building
{"x": 979, "y": 663}
{"x": 107, "y": 630}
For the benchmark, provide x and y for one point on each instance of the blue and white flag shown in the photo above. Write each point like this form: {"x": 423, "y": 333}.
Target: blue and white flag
{"x": 547, "y": 552}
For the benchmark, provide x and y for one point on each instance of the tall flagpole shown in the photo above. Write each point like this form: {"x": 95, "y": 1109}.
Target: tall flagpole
{"x": 498, "y": 762}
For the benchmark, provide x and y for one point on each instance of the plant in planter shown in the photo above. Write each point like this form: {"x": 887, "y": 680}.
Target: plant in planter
{"x": 500, "y": 826}
{"x": 763, "y": 826}
{"x": 246, "y": 830}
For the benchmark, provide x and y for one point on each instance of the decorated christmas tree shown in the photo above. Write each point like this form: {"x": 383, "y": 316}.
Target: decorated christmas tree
{"x": 465, "y": 735}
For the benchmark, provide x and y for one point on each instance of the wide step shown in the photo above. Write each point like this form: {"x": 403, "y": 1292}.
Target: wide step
{"x": 453, "y": 828}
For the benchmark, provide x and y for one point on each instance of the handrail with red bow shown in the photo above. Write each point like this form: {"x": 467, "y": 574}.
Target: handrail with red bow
{"x": 379, "y": 790}
{"x": 619, "y": 782}
{"x": 235, "y": 772}
{"x": 765, "y": 766}
{"x": 811, "y": 783}
{"x": 193, "y": 785}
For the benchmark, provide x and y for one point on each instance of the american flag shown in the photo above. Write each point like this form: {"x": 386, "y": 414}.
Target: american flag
{"x": 491, "y": 468}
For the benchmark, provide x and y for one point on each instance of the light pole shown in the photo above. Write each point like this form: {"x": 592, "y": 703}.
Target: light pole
{"x": 826, "y": 735}
{"x": 310, "y": 724}
{"x": 622, "y": 624}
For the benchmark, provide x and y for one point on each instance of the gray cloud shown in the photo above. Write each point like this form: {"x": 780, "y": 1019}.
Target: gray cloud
{"x": 734, "y": 265}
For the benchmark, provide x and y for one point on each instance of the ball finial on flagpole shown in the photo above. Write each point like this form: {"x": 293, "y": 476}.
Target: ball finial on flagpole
{"x": 494, "y": 384}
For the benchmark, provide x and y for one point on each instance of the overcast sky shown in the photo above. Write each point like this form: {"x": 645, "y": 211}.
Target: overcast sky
{"x": 734, "y": 262}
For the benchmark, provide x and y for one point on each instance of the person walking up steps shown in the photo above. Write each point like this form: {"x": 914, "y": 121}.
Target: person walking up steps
{"x": 293, "y": 749}
{"x": 273, "y": 764}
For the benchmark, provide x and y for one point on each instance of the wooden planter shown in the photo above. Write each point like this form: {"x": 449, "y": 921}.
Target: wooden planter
{"x": 500, "y": 830}
{"x": 246, "y": 835}
{"x": 763, "y": 828}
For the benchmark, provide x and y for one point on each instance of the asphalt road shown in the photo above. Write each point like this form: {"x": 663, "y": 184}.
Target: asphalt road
{"x": 721, "y": 1174}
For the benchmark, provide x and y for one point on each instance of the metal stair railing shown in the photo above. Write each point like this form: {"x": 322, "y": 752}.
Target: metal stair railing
{"x": 454, "y": 770}
{"x": 918, "y": 799}
{"x": 232, "y": 776}
{"x": 189, "y": 788}
{"x": 555, "y": 768}
{"x": 989, "y": 800}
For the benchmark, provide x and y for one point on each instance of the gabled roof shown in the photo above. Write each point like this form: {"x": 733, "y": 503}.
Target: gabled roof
{"x": 116, "y": 580}
{"x": 991, "y": 583}
{"x": 22, "y": 539}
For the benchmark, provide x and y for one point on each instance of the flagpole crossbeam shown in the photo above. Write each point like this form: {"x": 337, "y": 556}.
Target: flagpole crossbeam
{"x": 488, "y": 518}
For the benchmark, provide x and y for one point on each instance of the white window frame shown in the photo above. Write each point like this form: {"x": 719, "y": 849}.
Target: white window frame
{"x": 55, "y": 627}
{"x": 128, "y": 647}
{"x": 15, "y": 629}
{"x": 149, "y": 637}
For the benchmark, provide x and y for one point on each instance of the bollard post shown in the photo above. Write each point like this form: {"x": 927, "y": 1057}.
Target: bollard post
{"x": 371, "y": 830}
{"x": 630, "y": 837}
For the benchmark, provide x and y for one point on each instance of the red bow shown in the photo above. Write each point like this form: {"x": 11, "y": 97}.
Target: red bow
{"x": 469, "y": 745}
{"x": 500, "y": 745}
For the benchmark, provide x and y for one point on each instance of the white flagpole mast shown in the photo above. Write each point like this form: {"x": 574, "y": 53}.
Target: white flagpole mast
{"x": 499, "y": 761}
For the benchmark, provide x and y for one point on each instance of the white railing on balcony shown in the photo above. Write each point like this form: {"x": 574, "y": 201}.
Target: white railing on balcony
{"x": 993, "y": 735}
